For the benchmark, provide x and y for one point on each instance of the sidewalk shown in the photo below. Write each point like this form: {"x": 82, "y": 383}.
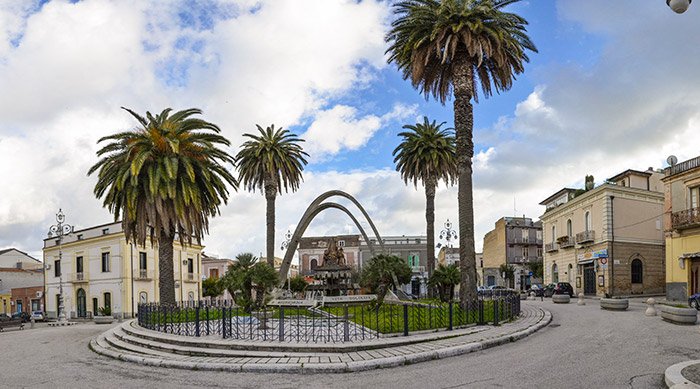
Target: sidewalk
{"x": 150, "y": 348}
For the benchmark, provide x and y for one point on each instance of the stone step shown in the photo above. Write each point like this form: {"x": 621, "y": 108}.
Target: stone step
{"x": 115, "y": 342}
{"x": 190, "y": 350}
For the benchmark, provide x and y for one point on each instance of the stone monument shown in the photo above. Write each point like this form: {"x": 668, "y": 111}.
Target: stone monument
{"x": 334, "y": 273}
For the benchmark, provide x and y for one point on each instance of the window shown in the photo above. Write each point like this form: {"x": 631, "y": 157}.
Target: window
{"x": 190, "y": 265}
{"x": 213, "y": 273}
{"x": 190, "y": 296}
{"x": 143, "y": 298}
{"x": 79, "y": 265}
{"x": 637, "y": 272}
{"x": 569, "y": 229}
{"x": 554, "y": 234}
{"x": 341, "y": 243}
{"x": 105, "y": 231}
{"x": 95, "y": 306}
{"x": 555, "y": 273}
{"x": 105, "y": 262}
{"x": 694, "y": 197}
{"x": 525, "y": 253}
{"x": 525, "y": 235}
{"x": 108, "y": 300}
{"x": 539, "y": 234}
{"x": 490, "y": 280}
{"x": 587, "y": 220}
{"x": 413, "y": 260}
{"x": 143, "y": 263}
{"x": 539, "y": 252}
{"x": 57, "y": 268}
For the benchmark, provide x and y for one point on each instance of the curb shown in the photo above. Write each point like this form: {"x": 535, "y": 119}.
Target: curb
{"x": 673, "y": 375}
{"x": 337, "y": 367}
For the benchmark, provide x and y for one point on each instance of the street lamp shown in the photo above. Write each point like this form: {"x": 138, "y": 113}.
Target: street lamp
{"x": 59, "y": 230}
{"x": 679, "y": 6}
{"x": 448, "y": 234}
{"x": 285, "y": 244}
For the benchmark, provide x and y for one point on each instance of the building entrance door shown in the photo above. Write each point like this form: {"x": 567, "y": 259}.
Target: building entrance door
{"x": 82, "y": 310}
{"x": 588, "y": 280}
{"x": 694, "y": 276}
{"x": 415, "y": 287}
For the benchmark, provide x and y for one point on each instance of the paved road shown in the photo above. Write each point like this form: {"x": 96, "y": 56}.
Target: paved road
{"x": 584, "y": 347}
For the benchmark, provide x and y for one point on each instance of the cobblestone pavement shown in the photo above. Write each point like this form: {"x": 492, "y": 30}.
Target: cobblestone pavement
{"x": 583, "y": 347}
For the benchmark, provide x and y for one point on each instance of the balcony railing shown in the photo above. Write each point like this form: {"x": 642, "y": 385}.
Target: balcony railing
{"x": 683, "y": 166}
{"x": 585, "y": 237}
{"x": 190, "y": 277}
{"x": 418, "y": 269}
{"x": 686, "y": 219}
{"x": 534, "y": 258}
{"x": 566, "y": 241}
{"x": 143, "y": 274}
{"x": 78, "y": 277}
{"x": 549, "y": 247}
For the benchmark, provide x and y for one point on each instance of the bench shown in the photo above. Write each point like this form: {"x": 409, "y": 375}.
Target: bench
{"x": 11, "y": 323}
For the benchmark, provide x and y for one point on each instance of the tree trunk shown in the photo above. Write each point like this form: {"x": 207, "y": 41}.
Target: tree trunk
{"x": 430, "y": 185}
{"x": 166, "y": 278}
{"x": 464, "y": 123}
{"x": 270, "y": 195}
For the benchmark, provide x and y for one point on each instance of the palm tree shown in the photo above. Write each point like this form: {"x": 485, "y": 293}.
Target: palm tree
{"x": 237, "y": 278}
{"x": 445, "y": 278}
{"x": 508, "y": 272}
{"x": 382, "y": 271}
{"x": 164, "y": 179}
{"x": 427, "y": 154}
{"x": 447, "y": 47}
{"x": 263, "y": 276}
{"x": 270, "y": 161}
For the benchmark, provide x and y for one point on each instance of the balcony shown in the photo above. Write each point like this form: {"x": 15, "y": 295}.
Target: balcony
{"x": 688, "y": 218}
{"x": 143, "y": 275}
{"x": 418, "y": 269}
{"x": 534, "y": 258}
{"x": 77, "y": 278}
{"x": 190, "y": 277}
{"x": 566, "y": 241}
{"x": 550, "y": 247}
{"x": 585, "y": 237}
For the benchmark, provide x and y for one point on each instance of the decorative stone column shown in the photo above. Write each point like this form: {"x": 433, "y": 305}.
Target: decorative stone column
{"x": 651, "y": 311}
{"x": 580, "y": 301}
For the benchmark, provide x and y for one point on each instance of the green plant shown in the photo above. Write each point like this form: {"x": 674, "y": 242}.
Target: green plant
{"x": 164, "y": 180}
{"x": 445, "y": 279}
{"x": 298, "y": 284}
{"x": 105, "y": 311}
{"x": 508, "y": 271}
{"x": 380, "y": 272}
{"x": 212, "y": 287}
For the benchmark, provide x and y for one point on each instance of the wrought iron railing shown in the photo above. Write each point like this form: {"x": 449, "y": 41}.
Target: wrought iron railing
{"x": 549, "y": 247}
{"x": 686, "y": 218}
{"x": 566, "y": 241}
{"x": 143, "y": 274}
{"x": 324, "y": 324}
{"x": 585, "y": 236}
{"x": 78, "y": 277}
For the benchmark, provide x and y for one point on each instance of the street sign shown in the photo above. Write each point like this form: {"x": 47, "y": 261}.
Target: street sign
{"x": 530, "y": 274}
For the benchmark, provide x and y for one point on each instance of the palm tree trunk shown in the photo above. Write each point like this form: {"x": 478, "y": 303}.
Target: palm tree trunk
{"x": 270, "y": 195}
{"x": 430, "y": 185}
{"x": 166, "y": 278}
{"x": 464, "y": 127}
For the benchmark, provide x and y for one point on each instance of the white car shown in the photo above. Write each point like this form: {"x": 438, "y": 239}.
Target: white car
{"x": 37, "y": 316}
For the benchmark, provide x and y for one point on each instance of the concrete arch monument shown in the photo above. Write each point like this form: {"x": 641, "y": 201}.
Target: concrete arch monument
{"x": 316, "y": 207}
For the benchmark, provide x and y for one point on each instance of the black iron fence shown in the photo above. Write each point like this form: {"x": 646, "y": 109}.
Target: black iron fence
{"x": 324, "y": 324}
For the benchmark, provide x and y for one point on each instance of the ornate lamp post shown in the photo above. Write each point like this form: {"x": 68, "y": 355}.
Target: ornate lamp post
{"x": 448, "y": 234}
{"x": 59, "y": 230}
{"x": 285, "y": 243}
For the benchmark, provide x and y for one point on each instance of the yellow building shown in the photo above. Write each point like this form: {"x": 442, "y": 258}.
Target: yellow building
{"x": 682, "y": 229}
{"x": 98, "y": 268}
{"x": 5, "y": 298}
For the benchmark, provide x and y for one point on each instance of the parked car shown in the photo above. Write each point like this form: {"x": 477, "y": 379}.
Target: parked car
{"x": 480, "y": 290}
{"x": 694, "y": 301}
{"x": 564, "y": 288}
{"x": 21, "y": 315}
{"x": 549, "y": 290}
{"x": 4, "y": 317}
{"x": 538, "y": 289}
{"x": 37, "y": 316}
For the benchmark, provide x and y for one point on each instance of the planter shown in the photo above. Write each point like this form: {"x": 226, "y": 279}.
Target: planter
{"x": 679, "y": 315}
{"x": 614, "y": 304}
{"x": 104, "y": 319}
{"x": 561, "y": 298}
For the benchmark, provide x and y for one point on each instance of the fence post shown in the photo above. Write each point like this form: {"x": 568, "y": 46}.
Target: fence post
{"x": 196, "y": 320}
{"x": 496, "y": 304}
{"x": 206, "y": 310}
{"x": 281, "y": 325}
{"x": 451, "y": 312}
{"x": 481, "y": 312}
{"x": 346, "y": 325}
{"x": 405, "y": 320}
{"x": 223, "y": 322}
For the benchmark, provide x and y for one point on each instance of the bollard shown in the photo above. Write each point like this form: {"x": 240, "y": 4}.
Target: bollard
{"x": 31, "y": 325}
{"x": 532, "y": 296}
{"x": 580, "y": 301}
{"x": 651, "y": 311}
{"x": 119, "y": 317}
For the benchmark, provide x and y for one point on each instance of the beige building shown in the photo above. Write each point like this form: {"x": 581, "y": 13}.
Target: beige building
{"x": 311, "y": 251}
{"x": 607, "y": 241}
{"x": 682, "y": 229}
{"x": 98, "y": 268}
{"x": 11, "y": 257}
{"x": 450, "y": 255}
{"x": 515, "y": 241}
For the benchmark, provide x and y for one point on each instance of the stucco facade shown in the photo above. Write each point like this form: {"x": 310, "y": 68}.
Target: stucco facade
{"x": 12, "y": 257}
{"x": 99, "y": 268}
{"x": 682, "y": 229}
{"x": 607, "y": 241}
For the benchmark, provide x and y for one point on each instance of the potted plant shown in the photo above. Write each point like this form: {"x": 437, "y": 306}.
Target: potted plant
{"x": 104, "y": 316}
{"x": 679, "y": 314}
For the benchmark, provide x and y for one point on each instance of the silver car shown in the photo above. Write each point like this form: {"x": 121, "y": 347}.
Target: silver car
{"x": 38, "y": 316}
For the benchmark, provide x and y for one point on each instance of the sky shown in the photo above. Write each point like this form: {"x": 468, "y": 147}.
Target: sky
{"x": 613, "y": 87}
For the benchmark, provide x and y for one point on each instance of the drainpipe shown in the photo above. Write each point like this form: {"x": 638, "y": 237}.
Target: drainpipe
{"x": 132, "y": 279}
{"x": 612, "y": 245}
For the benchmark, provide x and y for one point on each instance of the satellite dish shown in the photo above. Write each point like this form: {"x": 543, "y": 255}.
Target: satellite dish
{"x": 672, "y": 160}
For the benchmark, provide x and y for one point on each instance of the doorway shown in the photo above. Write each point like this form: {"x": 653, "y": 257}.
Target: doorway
{"x": 82, "y": 309}
{"x": 694, "y": 276}
{"x": 588, "y": 279}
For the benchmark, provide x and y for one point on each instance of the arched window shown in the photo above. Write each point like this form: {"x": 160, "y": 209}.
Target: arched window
{"x": 637, "y": 272}
{"x": 569, "y": 229}
{"x": 555, "y": 273}
{"x": 587, "y": 220}
{"x": 554, "y": 234}
{"x": 143, "y": 298}
{"x": 190, "y": 296}
{"x": 314, "y": 264}
{"x": 569, "y": 273}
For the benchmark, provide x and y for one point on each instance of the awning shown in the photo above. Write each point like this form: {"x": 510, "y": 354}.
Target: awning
{"x": 585, "y": 261}
{"x": 691, "y": 255}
